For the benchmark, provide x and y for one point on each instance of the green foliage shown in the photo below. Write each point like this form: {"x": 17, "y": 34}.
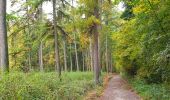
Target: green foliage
{"x": 151, "y": 91}
{"x": 127, "y": 48}
{"x": 45, "y": 86}
{"x": 142, "y": 43}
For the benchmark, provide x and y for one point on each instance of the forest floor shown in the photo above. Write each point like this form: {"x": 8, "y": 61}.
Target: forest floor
{"x": 118, "y": 89}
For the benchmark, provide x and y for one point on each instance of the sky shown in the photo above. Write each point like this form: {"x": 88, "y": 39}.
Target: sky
{"x": 47, "y": 7}
{"x": 120, "y": 7}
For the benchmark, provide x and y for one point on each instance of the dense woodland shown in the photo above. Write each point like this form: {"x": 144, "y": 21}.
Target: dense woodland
{"x": 80, "y": 42}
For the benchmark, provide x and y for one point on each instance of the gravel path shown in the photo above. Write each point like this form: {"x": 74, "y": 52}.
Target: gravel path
{"x": 118, "y": 89}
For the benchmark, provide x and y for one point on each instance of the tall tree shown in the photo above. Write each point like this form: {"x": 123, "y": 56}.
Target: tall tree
{"x": 107, "y": 58}
{"x": 40, "y": 51}
{"x": 29, "y": 36}
{"x": 83, "y": 58}
{"x": 107, "y": 64}
{"x": 75, "y": 46}
{"x": 65, "y": 52}
{"x": 95, "y": 40}
{"x": 91, "y": 55}
{"x": 3, "y": 38}
{"x": 71, "y": 62}
{"x": 41, "y": 56}
{"x": 57, "y": 58}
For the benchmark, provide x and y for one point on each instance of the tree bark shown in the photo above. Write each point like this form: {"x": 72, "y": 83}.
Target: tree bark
{"x": 28, "y": 44}
{"x": 3, "y": 38}
{"x": 100, "y": 29}
{"x": 107, "y": 58}
{"x": 83, "y": 58}
{"x": 65, "y": 54}
{"x": 95, "y": 40}
{"x": 57, "y": 58}
{"x": 107, "y": 65}
{"x": 71, "y": 62}
{"x": 111, "y": 63}
{"x": 91, "y": 55}
{"x": 75, "y": 45}
{"x": 90, "y": 59}
{"x": 41, "y": 42}
{"x": 41, "y": 56}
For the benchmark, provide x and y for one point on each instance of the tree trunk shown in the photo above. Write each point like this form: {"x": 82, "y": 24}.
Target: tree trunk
{"x": 99, "y": 53}
{"x": 100, "y": 29}
{"x": 41, "y": 56}
{"x": 111, "y": 63}
{"x": 75, "y": 45}
{"x": 83, "y": 58}
{"x": 65, "y": 54}
{"x": 88, "y": 59}
{"x": 107, "y": 58}
{"x": 107, "y": 65}
{"x": 91, "y": 55}
{"x": 28, "y": 44}
{"x": 57, "y": 58}
{"x": 3, "y": 38}
{"x": 41, "y": 42}
{"x": 95, "y": 40}
{"x": 71, "y": 62}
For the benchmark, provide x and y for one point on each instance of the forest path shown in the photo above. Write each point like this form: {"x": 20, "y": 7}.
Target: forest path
{"x": 119, "y": 89}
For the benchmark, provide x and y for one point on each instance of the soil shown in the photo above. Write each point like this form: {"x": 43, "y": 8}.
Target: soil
{"x": 119, "y": 89}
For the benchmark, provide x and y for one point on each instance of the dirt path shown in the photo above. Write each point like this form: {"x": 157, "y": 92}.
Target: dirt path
{"x": 118, "y": 89}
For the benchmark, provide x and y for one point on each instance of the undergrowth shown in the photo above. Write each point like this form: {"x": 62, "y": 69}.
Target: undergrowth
{"x": 45, "y": 86}
{"x": 151, "y": 91}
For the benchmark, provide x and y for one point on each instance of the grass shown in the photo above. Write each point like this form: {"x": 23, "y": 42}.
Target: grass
{"x": 151, "y": 91}
{"x": 45, "y": 86}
